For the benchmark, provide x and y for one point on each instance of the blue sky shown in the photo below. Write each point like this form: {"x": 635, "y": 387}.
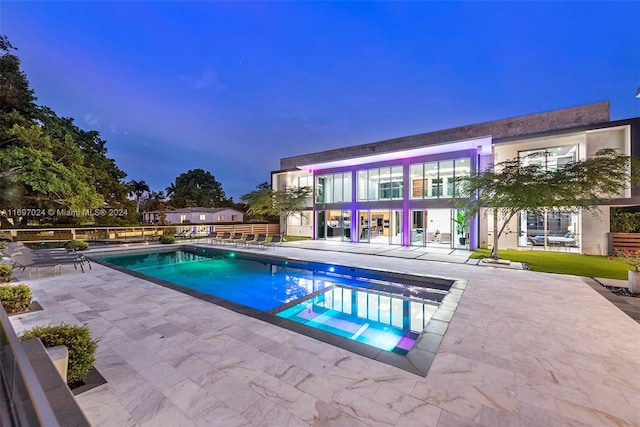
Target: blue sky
{"x": 232, "y": 87}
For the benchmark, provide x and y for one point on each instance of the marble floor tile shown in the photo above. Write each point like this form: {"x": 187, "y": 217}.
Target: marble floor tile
{"x": 521, "y": 349}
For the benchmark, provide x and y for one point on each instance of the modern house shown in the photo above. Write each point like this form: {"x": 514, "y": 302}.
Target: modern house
{"x": 193, "y": 215}
{"x": 399, "y": 191}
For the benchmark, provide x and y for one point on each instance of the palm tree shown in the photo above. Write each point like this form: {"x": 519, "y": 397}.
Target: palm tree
{"x": 137, "y": 188}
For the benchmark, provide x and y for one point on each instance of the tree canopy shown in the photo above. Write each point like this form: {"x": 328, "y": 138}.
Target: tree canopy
{"x": 48, "y": 163}
{"x": 512, "y": 186}
{"x": 265, "y": 202}
{"x": 197, "y": 188}
{"x": 137, "y": 189}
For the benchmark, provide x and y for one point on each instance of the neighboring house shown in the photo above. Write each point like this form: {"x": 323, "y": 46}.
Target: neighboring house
{"x": 399, "y": 191}
{"x": 194, "y": 215}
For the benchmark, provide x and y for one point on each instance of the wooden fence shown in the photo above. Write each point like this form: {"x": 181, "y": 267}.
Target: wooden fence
{"x": 132, "y": 234}
{"x": 622, "y": 241}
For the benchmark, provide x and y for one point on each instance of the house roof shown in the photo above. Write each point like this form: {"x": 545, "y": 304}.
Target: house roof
{"x": 197, "y": 210}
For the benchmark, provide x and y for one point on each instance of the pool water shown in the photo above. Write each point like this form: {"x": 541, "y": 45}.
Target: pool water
{"x": 381, "y": 313}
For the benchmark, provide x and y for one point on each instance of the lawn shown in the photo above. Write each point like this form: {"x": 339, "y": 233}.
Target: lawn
{"x": 296, "y": 238}
{"x": 564, "y": 263}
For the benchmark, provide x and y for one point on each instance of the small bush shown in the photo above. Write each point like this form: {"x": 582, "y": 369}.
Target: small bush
{"x": 6, "y": 271}
{"x": 15, "y": 298}
{"x": 167, "y": 239}
{"x": 76, "y": 245}
{"x": 82, "y": 349}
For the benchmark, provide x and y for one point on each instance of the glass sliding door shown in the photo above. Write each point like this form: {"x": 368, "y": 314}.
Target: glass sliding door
{"x": 418, "y": 227}
{"x": 364, "y": 235}
{"x": 395, "y": 227}
{"x": 346, "y": 226}
{"x": 321, "y": 225}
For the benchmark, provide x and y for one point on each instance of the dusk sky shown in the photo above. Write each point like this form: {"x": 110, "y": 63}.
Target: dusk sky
{"x": 232, "y": 87}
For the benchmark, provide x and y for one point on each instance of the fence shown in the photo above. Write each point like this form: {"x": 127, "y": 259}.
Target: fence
{"x": 106, "y": 235}
{"x": 22, "y": 398}
{"x": 622, "y": 241}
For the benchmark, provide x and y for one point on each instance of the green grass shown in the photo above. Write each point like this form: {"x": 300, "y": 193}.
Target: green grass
{"x": 296, "y": 238}
{"x": 564, "y": 263}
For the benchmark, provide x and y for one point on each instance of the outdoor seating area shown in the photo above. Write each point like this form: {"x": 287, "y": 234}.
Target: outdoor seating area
{"x": 568, "y": 240}
{"x": 21, "y": 257}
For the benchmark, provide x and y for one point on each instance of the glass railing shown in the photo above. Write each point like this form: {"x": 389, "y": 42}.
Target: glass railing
{"x": 22, "y": 400}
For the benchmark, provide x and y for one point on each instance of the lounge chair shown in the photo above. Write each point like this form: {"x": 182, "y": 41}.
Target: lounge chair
{"x": 212, "y": 236}
{"x": 275, "y": 241}
{"x": 247, "y": 240}
{"x": 183, "y": 234}
{"x": 259, "y": 240}
{"x": 232, "y": 239}
{"x": 222, "y": 237}
{"x": 35, "y": 260}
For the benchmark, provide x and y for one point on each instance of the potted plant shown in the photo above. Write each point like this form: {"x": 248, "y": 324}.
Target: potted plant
{"x": 631, "y": 257}
{"x": 462, "y": 225}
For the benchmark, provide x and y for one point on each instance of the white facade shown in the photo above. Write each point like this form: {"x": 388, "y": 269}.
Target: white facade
{"x": 194, "y": 216}
{"x": 400, "y": 191}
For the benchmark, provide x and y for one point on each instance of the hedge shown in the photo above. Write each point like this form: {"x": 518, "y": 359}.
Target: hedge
{"x": 82, "y": 349}
{"x": 15, "y": 298}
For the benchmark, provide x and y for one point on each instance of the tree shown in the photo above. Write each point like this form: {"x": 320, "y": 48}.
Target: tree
{"x": 260, "y": 202}
{"x": 265, "y": 202}
{"x": 512, "y": 186}
{"x": 15, "y": 93}
{"x": 196, "y": 187}
{"x": 152, "y": 201}
{"x": 46, "y": 161}
{"x": 137, "y": 189}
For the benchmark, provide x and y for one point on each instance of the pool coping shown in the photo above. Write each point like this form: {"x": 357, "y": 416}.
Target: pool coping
{"x": 417, "y": 361}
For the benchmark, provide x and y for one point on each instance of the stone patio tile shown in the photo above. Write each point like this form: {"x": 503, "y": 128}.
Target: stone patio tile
{"x": 168, "y": 417}
{"x": 101, "y": 407}
{"x": 275, "y": 389}
{"x": 523, "y": 348}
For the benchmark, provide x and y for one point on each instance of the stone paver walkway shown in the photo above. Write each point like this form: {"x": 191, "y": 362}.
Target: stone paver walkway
{"x": 523, "y": 349}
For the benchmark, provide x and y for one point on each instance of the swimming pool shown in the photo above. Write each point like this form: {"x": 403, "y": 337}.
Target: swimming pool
{"x": 384, "y": 311}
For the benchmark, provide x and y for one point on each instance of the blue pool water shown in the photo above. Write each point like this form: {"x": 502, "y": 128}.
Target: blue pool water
{"x": 381, "y": 313}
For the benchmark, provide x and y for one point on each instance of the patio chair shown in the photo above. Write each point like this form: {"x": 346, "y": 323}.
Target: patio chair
{"x": 183, "y": 234}
{"x": 232, "y": 239}
{"x": 212, "y": 236}
{"x": 275, "y": 241}
{"x": 260, "y": 240}
{"x": 222, "y": 237}
{"x": 247, "y": 240}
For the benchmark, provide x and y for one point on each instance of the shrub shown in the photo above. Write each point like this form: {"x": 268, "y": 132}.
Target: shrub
{"x": 82, "y": 349}
{"x": 167, "y": 239}
{"x": 76, "y": 245}
{"x": 5, "y": 272}
{"x": 15, "y": 298}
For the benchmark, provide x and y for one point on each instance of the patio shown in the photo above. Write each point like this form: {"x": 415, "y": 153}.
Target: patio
{"x": 523, "y": 348}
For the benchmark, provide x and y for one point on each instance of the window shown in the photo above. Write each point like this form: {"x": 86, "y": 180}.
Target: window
{"x": 362, "y": 185}
{"x": 183, "y": 218}
{"x": 333, "y": 188}
{"x": 203, "y": 217}
{"x": 438, "y": 179}
{"x": 550, "y": 158}
{"x": 220, "y": 217}
{"x": 234, "y": 218}
{"x": 380, "y": 183}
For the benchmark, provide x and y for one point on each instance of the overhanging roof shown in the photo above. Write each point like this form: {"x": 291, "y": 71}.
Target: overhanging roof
{"x": 482, "y": 144}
